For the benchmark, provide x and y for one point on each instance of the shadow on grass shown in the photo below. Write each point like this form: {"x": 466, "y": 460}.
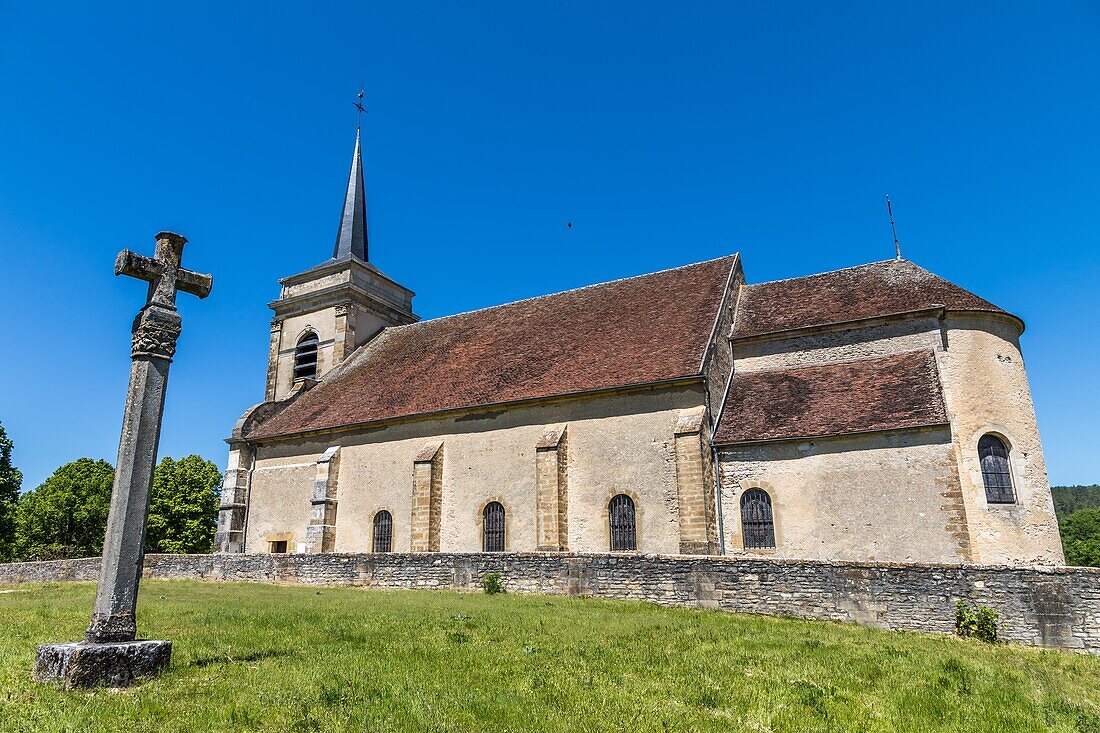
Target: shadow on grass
{"x": 242, "y": 659}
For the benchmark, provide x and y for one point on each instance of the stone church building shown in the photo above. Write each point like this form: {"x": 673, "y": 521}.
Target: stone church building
{"x": 876, "y": 413}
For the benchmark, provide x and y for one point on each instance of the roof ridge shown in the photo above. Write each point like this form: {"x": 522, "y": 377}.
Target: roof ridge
{"x": 562, "y": 292}
{"x": 841, "y": 269}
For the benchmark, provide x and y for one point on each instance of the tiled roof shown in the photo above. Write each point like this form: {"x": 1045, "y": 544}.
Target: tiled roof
{"x": 639, "y": 330}
{"x": 881, "y": 393}
{"x": 868, "y": 291}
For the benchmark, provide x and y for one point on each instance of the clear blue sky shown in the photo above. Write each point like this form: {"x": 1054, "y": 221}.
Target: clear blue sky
{"x": 667, "y": 132}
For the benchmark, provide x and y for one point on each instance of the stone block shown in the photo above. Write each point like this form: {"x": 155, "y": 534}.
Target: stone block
{"x": 114, "y": 664}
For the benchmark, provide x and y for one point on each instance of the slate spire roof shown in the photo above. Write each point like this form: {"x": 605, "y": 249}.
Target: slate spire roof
{"x": 351, "y": 239}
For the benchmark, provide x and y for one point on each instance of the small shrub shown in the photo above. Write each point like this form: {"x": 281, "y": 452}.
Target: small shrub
{"x": 492, "y": 583}
{"x": 979, "y": 622}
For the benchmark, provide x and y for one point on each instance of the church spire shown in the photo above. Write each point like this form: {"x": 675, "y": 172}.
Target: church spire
{"x": 352, "y": 237}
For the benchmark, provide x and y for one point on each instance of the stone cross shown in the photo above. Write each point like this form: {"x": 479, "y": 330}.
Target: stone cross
{"x": 156, "y": 329}
{"x": 110, "y": 655}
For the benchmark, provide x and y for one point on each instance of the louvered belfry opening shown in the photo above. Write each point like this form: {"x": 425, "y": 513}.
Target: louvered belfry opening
{"x": 996, "y": 473}
{"x": 494, "y": 527}
{"x": 624, "y": 535}
{"x": 305, "y": 357}
{"x": 757, "y": 523}
{"x": 383, "y": 532}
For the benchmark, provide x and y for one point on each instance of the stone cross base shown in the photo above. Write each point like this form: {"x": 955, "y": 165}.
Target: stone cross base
{"x": 114, "y": 664}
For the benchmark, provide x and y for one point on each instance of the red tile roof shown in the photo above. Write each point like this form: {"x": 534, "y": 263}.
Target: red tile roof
{"x": 882, "y": 393}
{"x": 868, "y": 291}
{"x": 634, "y": 331}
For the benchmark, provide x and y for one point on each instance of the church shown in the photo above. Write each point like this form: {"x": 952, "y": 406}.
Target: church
{"x": 875, "y": 413}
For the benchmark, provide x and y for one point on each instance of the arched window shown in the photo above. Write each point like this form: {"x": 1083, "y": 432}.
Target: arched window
{"x": 624, "y": 535}
{"x": 757, "y": 524}
{"x": 383, "y": 532}
{"x": 993, "y": 454}
{"x": 305, "y": 357}
{"x": 494, "y": 527}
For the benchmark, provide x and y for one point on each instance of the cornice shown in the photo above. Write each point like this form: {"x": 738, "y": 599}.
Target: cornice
{"x": 829, "y": 436}
{"x": 339, "y": 265}
{"x": 336, "y": 295}
{"x": 373, "y": 425}
{"x": 936, "y": 311}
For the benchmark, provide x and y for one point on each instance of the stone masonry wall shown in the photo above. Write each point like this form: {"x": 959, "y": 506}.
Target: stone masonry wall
{"x": 880, "y": 497}
{"x": 985, "y": 388}
{"x": 1052, "y": 607}
{"x": 619, "y": 443}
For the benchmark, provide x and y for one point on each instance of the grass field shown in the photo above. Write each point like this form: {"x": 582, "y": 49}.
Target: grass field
{"x": 274, "y": 658}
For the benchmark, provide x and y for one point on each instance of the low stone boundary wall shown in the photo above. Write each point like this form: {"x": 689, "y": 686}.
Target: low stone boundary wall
{"x": 1051, "y": 607}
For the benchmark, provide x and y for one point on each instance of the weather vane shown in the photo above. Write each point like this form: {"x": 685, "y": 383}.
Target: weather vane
{"x": 359, "y": 106}
{"x": 893, "y": 229}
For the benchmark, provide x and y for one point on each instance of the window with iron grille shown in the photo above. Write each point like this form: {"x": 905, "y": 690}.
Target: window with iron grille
{"x": 383, "y": 531}
{"x": 996, "y": 474}
{"x": 305, "y": 357}
{"x": 624, "y": 535}
{"x": 757, "y": 523}
{"x": 494, "y": 527}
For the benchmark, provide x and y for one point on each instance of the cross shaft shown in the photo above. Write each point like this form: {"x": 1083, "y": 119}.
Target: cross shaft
{"x": 155, "y": 331}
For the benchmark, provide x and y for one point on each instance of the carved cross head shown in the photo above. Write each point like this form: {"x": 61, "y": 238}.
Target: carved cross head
{"x": 163, "y": 272}
{"x": 157, "y": 325}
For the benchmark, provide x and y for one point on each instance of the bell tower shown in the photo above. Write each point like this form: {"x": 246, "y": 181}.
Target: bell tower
{"x": 328, "y": 311}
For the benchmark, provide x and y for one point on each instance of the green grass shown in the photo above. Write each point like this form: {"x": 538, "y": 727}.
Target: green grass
{"x": 296, "y": 658}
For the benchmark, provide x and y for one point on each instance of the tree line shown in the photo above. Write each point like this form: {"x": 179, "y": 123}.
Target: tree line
{"x": 66, "y": 516}
{"x": 1078, "y": 510}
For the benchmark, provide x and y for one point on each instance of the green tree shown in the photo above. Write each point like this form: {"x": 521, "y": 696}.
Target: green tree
{"x": 1068, "y": 499}
{"x": 67, "y": 515}
{"x": 10, "y": 482}
{"x": 1081, "y": 537}
{"x": 183, "y": 510}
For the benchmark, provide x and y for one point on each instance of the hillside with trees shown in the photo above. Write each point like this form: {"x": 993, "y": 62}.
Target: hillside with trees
{"x": 1068, "y": 499}
{"x": 1078, "y": 510}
